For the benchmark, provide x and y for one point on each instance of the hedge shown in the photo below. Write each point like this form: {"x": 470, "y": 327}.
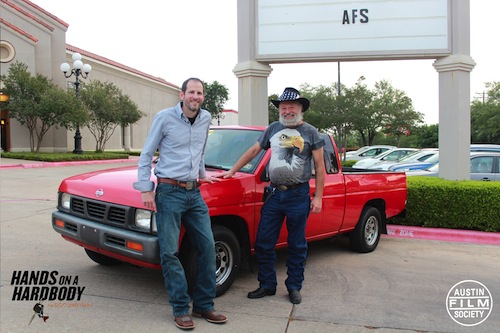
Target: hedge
{"x": 62, "y": 157}
{"x": 468, "y": 205}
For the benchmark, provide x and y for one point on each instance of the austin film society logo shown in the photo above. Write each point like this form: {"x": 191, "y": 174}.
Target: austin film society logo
{"x": 42, "y": 286}
{"x": 469, "y": 303}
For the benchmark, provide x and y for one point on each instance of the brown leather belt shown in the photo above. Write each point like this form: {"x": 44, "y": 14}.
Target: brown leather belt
{"x": 188, "y": 185}
{"x": 286, "y": 187}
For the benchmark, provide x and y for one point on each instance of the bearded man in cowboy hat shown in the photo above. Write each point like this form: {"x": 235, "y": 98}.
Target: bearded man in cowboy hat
{"x": 294, "y": 143}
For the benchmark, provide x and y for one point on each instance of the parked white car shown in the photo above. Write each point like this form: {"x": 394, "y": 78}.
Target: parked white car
{"x": 371, "y": 151}
{"x": 390, "y": 155}
{"x": 360, "y": 150}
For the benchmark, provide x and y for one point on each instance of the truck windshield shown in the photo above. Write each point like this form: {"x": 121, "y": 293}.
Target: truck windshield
{"x": 226, "y": 146}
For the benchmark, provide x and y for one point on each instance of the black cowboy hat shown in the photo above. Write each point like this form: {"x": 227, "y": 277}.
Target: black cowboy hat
{"x": 292, "y": 95}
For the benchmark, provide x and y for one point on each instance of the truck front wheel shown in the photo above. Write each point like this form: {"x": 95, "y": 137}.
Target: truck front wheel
{"x": 227, "y": 255}
{"x": 365, "y": 237}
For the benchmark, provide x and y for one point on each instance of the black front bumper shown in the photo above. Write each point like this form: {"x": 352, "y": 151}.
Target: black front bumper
{"x": 111, "y": 240}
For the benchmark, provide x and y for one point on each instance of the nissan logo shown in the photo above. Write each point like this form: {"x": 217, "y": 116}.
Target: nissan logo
{"x": 99, "y": 193}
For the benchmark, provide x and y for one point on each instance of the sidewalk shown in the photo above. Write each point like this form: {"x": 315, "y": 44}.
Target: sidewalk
{"x": 393, "y": 231}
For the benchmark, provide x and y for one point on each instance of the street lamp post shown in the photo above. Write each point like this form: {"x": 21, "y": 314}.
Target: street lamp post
{"x": 83, "y": 70}
{"x": 4, "y": 99}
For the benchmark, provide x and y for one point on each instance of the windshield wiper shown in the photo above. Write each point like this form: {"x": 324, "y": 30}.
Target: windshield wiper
{"x": 212, "y": 166}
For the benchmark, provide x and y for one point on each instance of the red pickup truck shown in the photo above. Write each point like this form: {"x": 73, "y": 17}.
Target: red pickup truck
{"x": 101, "y": 212}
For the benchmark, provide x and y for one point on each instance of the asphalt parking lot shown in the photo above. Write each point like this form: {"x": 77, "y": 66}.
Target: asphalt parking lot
{"x": 403, "y": 286}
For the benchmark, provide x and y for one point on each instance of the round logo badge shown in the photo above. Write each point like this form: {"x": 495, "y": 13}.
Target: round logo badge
{"x": 99, "y": 193}
{"x": 469, "y": 303}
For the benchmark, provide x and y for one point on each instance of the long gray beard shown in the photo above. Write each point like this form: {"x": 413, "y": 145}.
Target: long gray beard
{"x": 293, "y": 122}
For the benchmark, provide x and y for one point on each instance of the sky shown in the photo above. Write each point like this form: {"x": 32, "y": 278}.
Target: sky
{"x": 175, "y": 40}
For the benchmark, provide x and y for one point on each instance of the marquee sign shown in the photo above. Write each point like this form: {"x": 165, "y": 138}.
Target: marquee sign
{"x": 300, "y": 30}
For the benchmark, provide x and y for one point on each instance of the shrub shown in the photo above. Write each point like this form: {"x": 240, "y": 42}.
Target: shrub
{"x": 61, "y": 157}
{"x": 435, "y": 202}
{"x": 348, "y": 163}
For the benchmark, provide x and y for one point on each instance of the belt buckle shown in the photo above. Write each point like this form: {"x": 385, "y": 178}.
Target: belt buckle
{"x": 282, "y": 187}
{"x": 190, "y": 185}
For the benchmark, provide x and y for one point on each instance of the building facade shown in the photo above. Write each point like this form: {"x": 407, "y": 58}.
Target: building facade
{"x": 35, "y": 37}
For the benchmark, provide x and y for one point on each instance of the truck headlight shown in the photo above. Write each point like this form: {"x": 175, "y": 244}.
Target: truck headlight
{"x": 144, "y": 219}
{"x": 66, "y": 201}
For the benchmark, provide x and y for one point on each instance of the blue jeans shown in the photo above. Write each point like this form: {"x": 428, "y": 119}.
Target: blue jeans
{"x": 173, "y": 205}
{"x": 293, "y": 204}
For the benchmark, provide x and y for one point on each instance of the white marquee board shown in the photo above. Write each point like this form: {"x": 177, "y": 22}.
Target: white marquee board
{"x": 299, "y": 30}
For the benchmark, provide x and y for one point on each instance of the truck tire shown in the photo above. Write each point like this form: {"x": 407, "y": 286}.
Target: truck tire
{"x": 227, "y": 254}
{"x": 102, "y": 259}
{"x": 365, "y": 237}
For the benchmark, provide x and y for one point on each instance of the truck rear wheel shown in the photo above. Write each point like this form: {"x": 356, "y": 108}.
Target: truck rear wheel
{"x": 102, "y": 259}
{"x": 365, "y": 237}
{"x": 227, "y": 254}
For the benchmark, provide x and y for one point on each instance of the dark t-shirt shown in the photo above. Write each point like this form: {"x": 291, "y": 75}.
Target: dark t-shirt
{"x": 292, "y": 148}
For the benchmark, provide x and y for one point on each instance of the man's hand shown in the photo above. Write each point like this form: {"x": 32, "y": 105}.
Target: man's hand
{"x": 210, "y": 180}
{"x": 225, "y": 175}
{"x": 148, "y": 199}
{"x": 316, "y": 204}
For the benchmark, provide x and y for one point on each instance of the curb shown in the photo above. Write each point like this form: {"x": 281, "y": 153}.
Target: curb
{"x": 59, "y": 164}
{"x": 444, "y": 235}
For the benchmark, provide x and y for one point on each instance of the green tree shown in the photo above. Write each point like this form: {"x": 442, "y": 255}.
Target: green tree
{"x": 323, "y": 112}
{"x": 427, "y": 136}
{"x": 485, "y": 116}
{"x": 384, "y": 108}
{"x": 358, "y": 109}
{"x": 38, "y": 104}
{"x": 352, "y": 103}
{"x": 399, "y": 114}
{"x": 273, "y": 113}
{"x": 216, "y": 95}
{"x": 109, "y": 107}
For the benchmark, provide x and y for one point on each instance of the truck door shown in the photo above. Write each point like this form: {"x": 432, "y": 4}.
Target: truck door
{"x": 333, "y": 193}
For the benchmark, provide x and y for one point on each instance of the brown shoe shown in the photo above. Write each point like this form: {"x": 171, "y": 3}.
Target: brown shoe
{"x": 184, "y": 322}
{"x": 211, "y": 317}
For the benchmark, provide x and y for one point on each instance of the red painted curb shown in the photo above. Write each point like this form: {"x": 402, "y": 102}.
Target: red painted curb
{"x": 441, "y": 234}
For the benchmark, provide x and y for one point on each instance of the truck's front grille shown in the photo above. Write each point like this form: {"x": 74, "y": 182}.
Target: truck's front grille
{"x": 117, "y": 215}
{"x": 96, "y": 210}
{"x": 78, "y": 206}
{"x": 115, "y": 240}
{"x": 71, "y": 227}
{"x": 100, "y": 211}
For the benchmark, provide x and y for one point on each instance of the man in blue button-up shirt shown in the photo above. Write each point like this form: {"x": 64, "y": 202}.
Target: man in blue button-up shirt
{"x": 180, "y": 133}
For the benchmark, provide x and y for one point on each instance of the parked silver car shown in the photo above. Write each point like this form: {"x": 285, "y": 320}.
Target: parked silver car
{"x": 484, "y": 166}
{"x": 413, "y": 166}
{"x": 485, "y": 147}
{"x": 418, "y": 156}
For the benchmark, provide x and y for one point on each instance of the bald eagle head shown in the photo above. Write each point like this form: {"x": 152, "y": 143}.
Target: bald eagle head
{"x": 286, "y": 145}
{"x": 291, "y": 141}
